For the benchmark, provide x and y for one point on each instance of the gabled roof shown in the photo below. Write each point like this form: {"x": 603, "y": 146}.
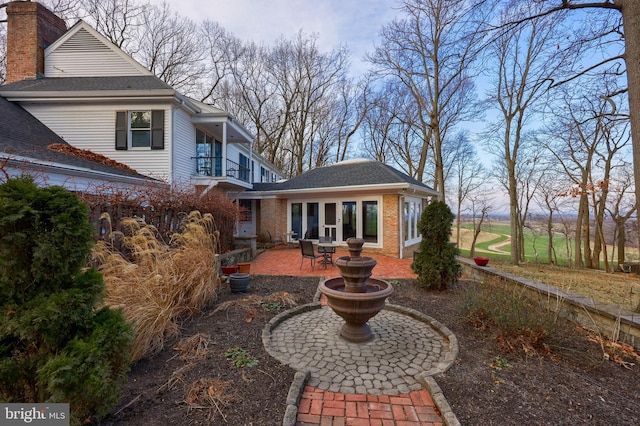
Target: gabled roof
{"x": 68, "y": 85}
{"x": 23, "y": 136}
{"x": 82, "y": 44}
{"x": 348, "y": 175}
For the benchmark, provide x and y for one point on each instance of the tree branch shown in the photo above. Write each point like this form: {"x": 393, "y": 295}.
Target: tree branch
{"x": 586, "y": 70}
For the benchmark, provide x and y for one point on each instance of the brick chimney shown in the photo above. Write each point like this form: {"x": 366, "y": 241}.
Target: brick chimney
{"x": 31, "y": 27}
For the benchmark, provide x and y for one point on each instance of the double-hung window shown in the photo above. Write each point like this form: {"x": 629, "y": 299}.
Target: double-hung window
{"x": 140, "y": 129}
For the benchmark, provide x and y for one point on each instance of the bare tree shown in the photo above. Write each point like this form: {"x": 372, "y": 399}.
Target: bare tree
{"x": 616, "y": 137}
{"x": 568, "y": 231}
{"x": 469, "y": 175}
{"x": 621, "y": 209}
{"x": 170, "y": 46}
{"x": 250, "y": 93}
{"x": 223, "y": 53}
{"x": 297, "y": 99}
{"x": 526, "y": 62}
{"x": 480, "y": 207}
{"x": 619, "y": 24}
{"x": 117, "y": 20}
{"x": 589, "y": 134}
{"x": 305, "y": 83}
{"x": 352, "y": 110}
{"x": 549, "y": 199}
{"x": 381, "y": 122}
{"x": 430, "y": 51}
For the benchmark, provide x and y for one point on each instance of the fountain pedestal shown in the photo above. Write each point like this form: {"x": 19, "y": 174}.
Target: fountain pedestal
{"x": 354, "y": 296}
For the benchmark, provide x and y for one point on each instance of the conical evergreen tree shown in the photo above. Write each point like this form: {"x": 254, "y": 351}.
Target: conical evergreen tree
{"x": 436, "y": 264}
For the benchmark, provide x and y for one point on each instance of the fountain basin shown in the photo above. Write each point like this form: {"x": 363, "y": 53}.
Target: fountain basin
{"x": 356, "y": 308}
{"x": 355, "y": 271}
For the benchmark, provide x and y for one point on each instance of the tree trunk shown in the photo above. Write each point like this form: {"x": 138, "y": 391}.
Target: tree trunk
{"x": 621, "y": 239}
{"x": 513, "y": 213}
{"x": 550, "y": 236}
{"x": 458, "y": 216}
{"x": 577, "y": 249}
{"x": 586, "y": 232}
{"x": 631, "y": 21}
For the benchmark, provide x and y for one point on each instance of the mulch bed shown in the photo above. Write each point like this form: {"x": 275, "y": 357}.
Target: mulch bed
{"x": 192, "y": 381}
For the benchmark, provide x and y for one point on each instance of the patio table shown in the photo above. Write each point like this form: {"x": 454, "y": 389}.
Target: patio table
{"x": 327, "y": 254}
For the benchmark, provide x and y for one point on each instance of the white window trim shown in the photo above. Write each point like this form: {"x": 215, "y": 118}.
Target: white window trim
{"x": 130, "y": 131}
{"x": 338, "y": 201}
{"x": 414, "y": 236}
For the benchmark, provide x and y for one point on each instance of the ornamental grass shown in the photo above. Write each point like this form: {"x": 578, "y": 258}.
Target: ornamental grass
{"x": 158, "y": 283}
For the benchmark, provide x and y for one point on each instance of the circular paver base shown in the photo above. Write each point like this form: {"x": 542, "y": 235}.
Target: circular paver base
{"x": 406, "y": 344}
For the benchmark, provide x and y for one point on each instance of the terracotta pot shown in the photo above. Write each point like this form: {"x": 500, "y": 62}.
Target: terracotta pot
{"x": 481, "y": 261}
{"x": 244, "y": 267}
{"x": 239, "y": 282}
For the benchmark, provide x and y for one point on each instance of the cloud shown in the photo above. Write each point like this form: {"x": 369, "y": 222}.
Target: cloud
{"x": 351, "y": 23}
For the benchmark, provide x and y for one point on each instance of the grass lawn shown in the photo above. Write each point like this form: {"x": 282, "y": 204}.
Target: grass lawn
{"x": 617, "y": 288}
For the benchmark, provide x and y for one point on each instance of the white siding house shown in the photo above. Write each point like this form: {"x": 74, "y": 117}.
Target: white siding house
{"x": 98, "y": 98}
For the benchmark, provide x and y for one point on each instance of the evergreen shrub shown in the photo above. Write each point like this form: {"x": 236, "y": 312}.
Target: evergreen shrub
{"x": 436, "y": 264}
{"x": 56, "y": 344}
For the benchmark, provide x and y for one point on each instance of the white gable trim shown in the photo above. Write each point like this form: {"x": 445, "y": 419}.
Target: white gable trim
{"x": 136, "y": 67}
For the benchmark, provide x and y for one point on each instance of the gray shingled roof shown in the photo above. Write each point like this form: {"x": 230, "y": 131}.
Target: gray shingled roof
{"x": 86, "y": 84}
{"x": 21, "y": 134}
{"x": 345, "y": 174}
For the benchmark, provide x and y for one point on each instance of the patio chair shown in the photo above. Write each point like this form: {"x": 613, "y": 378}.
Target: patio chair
{"x": 275, "y": 241}
{"x": 306, "y": 248}
{"x": 327, "y": 252}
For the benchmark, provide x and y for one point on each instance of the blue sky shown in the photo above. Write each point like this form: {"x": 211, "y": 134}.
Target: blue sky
{"x": 354, "y": 23}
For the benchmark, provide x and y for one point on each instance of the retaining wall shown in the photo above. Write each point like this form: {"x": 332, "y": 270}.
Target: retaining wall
{"x": 609, "y": 320}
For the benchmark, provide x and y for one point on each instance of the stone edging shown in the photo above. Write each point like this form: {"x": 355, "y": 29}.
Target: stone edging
{"x": 426, "y": 377}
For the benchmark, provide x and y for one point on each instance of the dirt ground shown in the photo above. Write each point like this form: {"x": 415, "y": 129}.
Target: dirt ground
{"x": 192, "y": 382}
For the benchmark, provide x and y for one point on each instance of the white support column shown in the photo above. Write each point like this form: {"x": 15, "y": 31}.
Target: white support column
{"x": 224, "y": 149}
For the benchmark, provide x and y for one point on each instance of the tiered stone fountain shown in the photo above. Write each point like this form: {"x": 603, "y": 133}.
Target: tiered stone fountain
{"x": 354, "y": 296}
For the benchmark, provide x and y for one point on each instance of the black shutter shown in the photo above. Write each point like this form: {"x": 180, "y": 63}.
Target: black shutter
{"x": 121, "y": 130}
{"x": 157, "y": 129}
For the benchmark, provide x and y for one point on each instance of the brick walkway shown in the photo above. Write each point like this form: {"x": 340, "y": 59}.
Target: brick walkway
{"x": 318, "y": 407}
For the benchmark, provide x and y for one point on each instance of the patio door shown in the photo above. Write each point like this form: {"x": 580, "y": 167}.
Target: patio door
{"x": 330, "y": 224}
{"x": 349, "y": 220}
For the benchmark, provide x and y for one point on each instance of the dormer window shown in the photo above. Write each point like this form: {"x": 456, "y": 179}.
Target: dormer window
{"x": 140, "y": 129}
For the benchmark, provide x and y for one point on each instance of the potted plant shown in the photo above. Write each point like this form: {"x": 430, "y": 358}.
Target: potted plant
{"x": 228, "y": 265}
{"x": 481, "y": 260}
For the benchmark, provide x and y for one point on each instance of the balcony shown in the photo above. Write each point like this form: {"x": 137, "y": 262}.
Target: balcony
{"x": 212, "y": 167}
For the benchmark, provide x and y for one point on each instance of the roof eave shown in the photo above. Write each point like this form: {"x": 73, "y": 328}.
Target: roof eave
{"x": 387, "y": 188}
{"x": 40, "y": 96}
{"x": 422, "y": 189}
{"x": 223, "y": 117}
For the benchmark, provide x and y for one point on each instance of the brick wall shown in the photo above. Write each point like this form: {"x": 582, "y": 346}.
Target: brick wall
{"x": 30, "y": 29}
{"x": 391, "y": 228}
{"x": 273, "y": 218}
